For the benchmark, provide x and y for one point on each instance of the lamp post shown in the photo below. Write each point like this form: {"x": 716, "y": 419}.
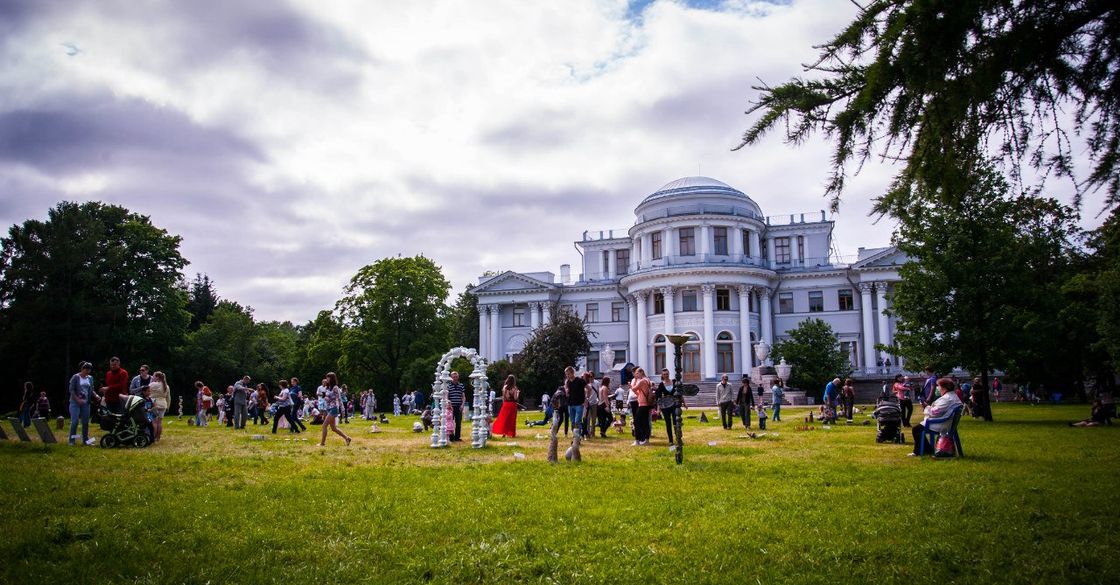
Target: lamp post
{"x": 682, "y": 390}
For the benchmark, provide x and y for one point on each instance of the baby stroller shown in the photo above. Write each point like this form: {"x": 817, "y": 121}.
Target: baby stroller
{"x": 888, "y": 418}
{"x": 131, "y": 428}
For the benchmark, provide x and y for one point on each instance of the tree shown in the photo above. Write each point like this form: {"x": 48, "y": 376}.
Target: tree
{"x": 814, "y": 352}
{"x": 393, "y": 312}
{"x": 550, "y": 349}
{"x": 464, "y": 319}
{"x": 202, "y": 299}
{"x": 935, "y": 83}
{"x": 92, "y": 281}
{"x": 983, "y": 284}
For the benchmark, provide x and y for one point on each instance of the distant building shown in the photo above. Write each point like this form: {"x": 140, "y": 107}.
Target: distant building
{"x": 702, "y": 259}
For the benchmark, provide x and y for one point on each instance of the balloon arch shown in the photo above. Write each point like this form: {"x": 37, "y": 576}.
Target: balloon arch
{"x": 441, "y": 408}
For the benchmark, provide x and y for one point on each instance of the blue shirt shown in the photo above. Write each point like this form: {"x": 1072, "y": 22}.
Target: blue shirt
{"x": 830, "y": 391}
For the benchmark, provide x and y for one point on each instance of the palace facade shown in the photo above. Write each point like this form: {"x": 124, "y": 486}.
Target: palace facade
{"x": 701, "y": 259}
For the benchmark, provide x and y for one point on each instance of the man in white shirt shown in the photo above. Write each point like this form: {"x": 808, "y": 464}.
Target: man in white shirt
{"x": 938, "y": 410}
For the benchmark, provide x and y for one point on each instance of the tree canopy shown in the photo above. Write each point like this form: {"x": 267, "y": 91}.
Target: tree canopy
{"x": 815, "y": 354}
{"x": 551, "y": 348}
{"x": 935, "y": 83}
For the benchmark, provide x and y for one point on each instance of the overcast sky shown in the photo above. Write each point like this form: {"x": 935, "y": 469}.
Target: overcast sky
{"x": 289, "y": 144}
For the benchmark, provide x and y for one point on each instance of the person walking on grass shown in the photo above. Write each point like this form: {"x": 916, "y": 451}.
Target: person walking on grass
{"x": 643, "y": 395}
{"x": 284, "y": 407}
{"x": 28, "y": 404}
{"x": 506, "y": 422}
{"x": 81, "y": 392}
{"x": 576, "y": 389}
{"x": 669, "y": 403}
{"x": 160, "y": 393}
{"x": 332, "y": 395}
{"x": 295, "y": 392}
{"x": 725, "y": 398}
{"x": 744, "y": 401}
{"x": 241, "y": 392}
{"x": 848, "y": 395}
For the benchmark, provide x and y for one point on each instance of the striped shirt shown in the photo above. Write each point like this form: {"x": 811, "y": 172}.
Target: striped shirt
{"x": 456, "y": 393}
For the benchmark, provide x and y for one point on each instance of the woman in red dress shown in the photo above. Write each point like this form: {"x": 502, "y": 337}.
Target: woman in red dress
{"x": 506, "y": 423}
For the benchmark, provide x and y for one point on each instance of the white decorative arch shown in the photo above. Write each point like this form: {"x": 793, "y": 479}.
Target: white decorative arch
{"x": 480, "y": 409}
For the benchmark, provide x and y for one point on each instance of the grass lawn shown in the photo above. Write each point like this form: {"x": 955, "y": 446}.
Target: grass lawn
{"x": 1030, "y": 503}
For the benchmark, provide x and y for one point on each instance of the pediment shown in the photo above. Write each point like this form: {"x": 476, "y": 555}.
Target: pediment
{"x": 512, "y": 281}
{"x": 889, "y": 258}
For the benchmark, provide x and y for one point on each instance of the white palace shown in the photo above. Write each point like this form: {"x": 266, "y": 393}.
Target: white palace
{"x": 701, "y": 259}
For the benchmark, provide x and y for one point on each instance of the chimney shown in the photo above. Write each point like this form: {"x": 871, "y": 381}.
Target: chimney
{"x": 565, "y": 274}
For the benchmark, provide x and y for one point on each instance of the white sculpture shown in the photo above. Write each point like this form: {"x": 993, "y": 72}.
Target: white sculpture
{"x": 480, "y": 418}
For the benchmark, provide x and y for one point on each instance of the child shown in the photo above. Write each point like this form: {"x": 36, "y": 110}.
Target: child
{"x": 426, "y": 418}
{"x": 762, "y": 417}
{"x": 44, "y": 405}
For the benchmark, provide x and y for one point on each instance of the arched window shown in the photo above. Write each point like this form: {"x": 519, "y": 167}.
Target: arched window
{"x": 691, "y": 358}
{"x": 658, "y": 354}
{"x": 725, "y": 353}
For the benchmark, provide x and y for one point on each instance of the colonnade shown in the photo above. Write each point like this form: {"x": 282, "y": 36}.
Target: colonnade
{"x": 870, "y": 315}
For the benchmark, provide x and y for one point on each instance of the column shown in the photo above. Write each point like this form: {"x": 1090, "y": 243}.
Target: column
{"x": 603, "y": 268}
{"x": 865, "y": 311}
{"x": 635, "y": 255}
{"x": 670, "y": 327}
{"x": 884, "y": 328}
{"x": 668, "y": 246}
{"x": 765, "y": 316}
{"x": 484, "y": 331}
{"x": 546, "y": 312}
{"x": 635, "y": 341}
{"x": 705, "y": 236}
{"x": 495, "y": 332}
{"x": 612, "y": 258}
{"x": 643, "y": 334}
{"x": 709, "y": 345}
{"x": 771, "y": 255}
{"x": 756, "y": 250}
{"x": 735, "y": 243}
{"x": 746, "y": 354}
{"x": 647, "y": 250}
{"x": 534, "y": 316}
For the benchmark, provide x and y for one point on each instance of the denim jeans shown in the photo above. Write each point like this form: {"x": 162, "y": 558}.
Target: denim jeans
{"x": 575, "y": 414}
{"x": 79, "y": 412}
{"x": 25, "y": 415}
{"x": 777, "y": 411}
{"x": 725, "y": 414}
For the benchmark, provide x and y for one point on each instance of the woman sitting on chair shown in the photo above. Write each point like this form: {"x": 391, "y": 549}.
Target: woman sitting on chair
{"x": 941, "y": 407}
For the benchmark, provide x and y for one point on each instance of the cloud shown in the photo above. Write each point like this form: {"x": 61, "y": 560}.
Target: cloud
{"x": 292, "y": 143}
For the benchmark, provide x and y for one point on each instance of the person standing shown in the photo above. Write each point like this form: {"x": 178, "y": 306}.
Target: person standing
{"x": 116, "y": 386}
{"x": 643, "y": 397}
{"x": 284, "y": 406}
{"x": 997, "y": 388}
{"x": 396, "y": 405}
{"x": 591, "y": 391}
{"x": 725, "y": 398}
{"x": 241, "y": 392}
{"x": 981, "y": 401}
{"x": 848, "y": 395}
{"x": 136, "y": 388}
{"x": 295, "y": 392}
{"x": 604, "y": 406}
{"x": 576, "y": 389}
{"x": 347, "y": 404}
{"x": 81, "y": 392}
{"x": 744, "y": 401}
{"x": 926, "y": 396}
{"x": 202, "y": 399}
{"x": 778, "y": 394}
{"x": 333, "y": 398}
{"x": 506, "y": 422}
{"x": 456, "y": 394}
{"x": 902, "y": 392}
{"x": 262, "y": 403}
{"x": 669, "y": 403}
{"x": 831, "y": 395}
{"x": 160, "y": 394}
{"x": 27, "y": 404}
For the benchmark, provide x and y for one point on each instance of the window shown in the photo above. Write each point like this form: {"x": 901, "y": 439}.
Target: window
{"x": 720, "y": 235}
{"x": 801, "y": 249}
{"x": 619, "y": 357}
{"x": 592, "y": 313}
{"x": 725, "y": 353}
{"x": 519, "y": 317}
{"x": 658, "y": 303}
{"x": 658, "y": 353}
{"x": 655, "y": 245}
{"x": 606, "y": 263}
{"x": 688, "y": 241}
{"x": 816, "y": 301}
{"x": 781, "y": 250}
{"x": 851, "y": 348}
{"x": 723, "y": 299}
{"x": 746, "y": 243}
{"x": 691, "y": 365}
{"x": 688, "y": 300}
{"x": 785, "y": 302}
{"x": 844, "y": 299}
{"x": 622, "y": 261}
{"x": 618, "y": 312}
{"x": 568, "y": 309}
{"x": 593, "y": 361}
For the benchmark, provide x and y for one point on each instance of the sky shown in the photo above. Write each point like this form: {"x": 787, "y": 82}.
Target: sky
{"x": 291, "y": 143}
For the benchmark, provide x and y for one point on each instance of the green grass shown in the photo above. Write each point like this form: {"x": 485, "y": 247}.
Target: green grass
{"x": 1031, "y": 503}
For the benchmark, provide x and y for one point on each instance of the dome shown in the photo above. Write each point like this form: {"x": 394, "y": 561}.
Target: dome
{"x": 694, "y": 186}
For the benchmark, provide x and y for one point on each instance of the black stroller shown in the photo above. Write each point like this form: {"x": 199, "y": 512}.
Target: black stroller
{"x": 888, "y": 418}
{"x": 131, "y": 428}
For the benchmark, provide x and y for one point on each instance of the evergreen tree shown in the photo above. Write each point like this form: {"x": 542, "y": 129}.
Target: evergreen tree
{"x": 815, "y": 354}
